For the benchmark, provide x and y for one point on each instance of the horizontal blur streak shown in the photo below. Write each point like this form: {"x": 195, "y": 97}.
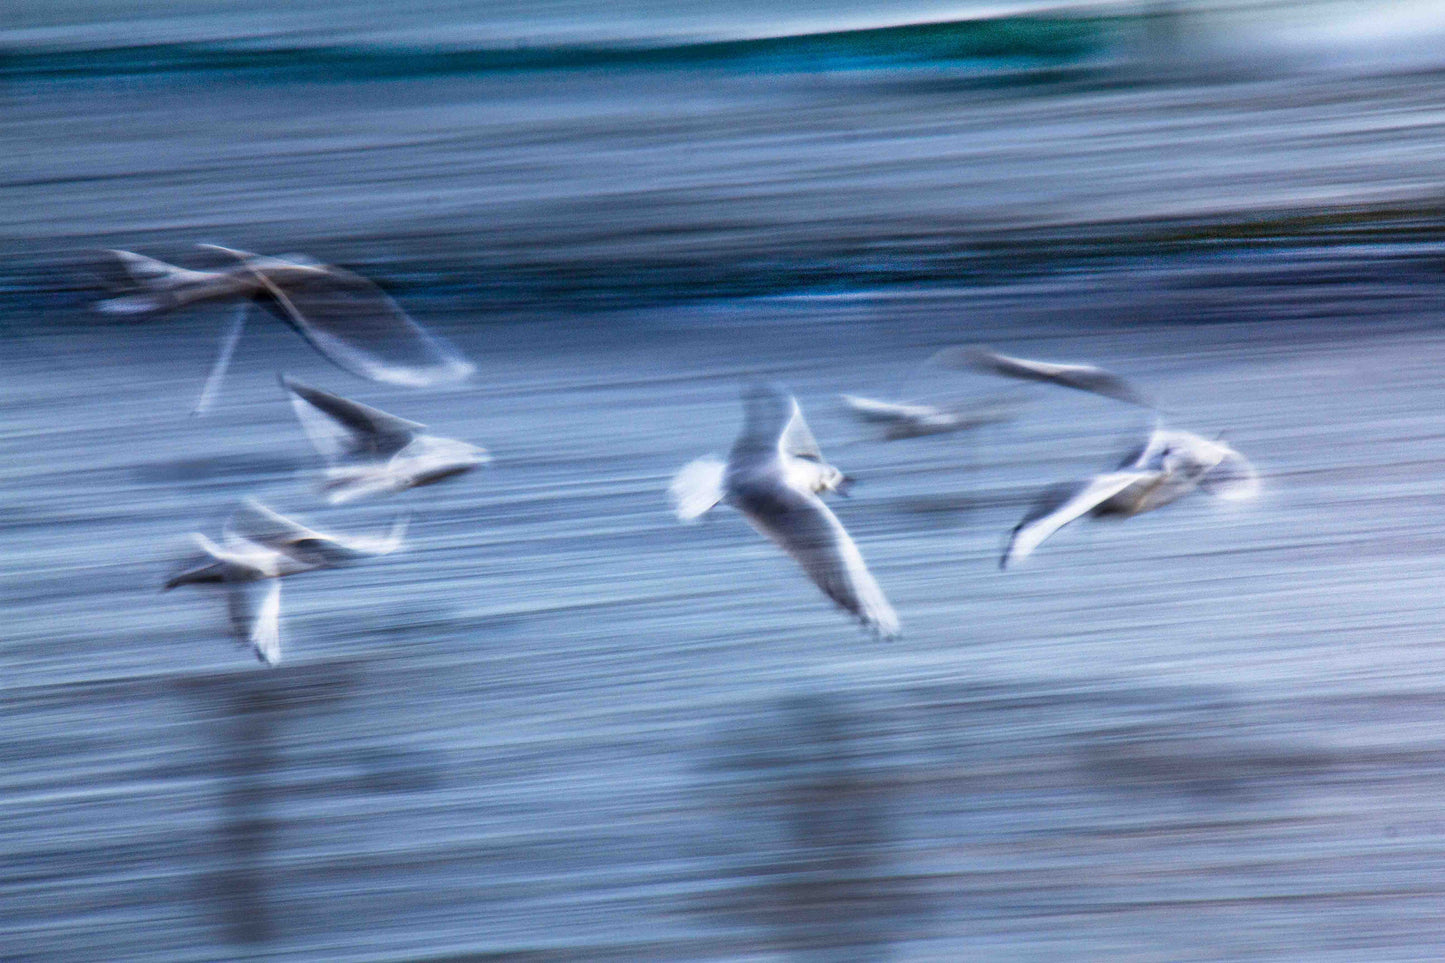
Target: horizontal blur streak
{"x": 562, "y": 725}
{"x": 558, "y": 725}
{"x": 639, "y": 179}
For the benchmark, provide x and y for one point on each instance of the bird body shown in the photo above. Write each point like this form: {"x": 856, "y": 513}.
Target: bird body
{"x": 774, "y": 476}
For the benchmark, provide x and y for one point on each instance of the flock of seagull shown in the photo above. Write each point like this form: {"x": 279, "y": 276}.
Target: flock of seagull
{"x": 774, "y": 475}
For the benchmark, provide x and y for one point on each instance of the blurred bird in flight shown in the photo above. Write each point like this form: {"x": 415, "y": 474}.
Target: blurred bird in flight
{"x": 774, "y": 476}
{"x": 260, "y": 545}
{"x": 906, "y": 420}
{"x": 1081, "y": 377}
{"x": 369, "y": 452}
{"x": 346, "y": 318}
{"x": 1168, "y": 466}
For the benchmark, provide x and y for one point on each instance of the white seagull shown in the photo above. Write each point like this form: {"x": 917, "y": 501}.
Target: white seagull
{"x": 1081, "y": 377}
{"x": 905, "y": 420}
{"x": 260, "y": 545}
{"x": 774, "y": 475}
{"x": 345, "y": 317}
{"x": 1170, "y": 465}
{"x": 369, "y": 452}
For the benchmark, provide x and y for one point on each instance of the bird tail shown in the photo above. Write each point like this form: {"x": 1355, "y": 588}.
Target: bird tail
{"x": 697, "y": 488}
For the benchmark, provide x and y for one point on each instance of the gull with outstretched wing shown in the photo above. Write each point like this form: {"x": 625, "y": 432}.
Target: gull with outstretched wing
{"x": 906, "y": 420}
{"x": 1081, "y": 377}
{"x": 259, "y": 545}
{"x": 370, "y": 452}
{"x": 774, "y": 476}
{"x": 345, "y": 317}
{"x": 1168, "y": 466}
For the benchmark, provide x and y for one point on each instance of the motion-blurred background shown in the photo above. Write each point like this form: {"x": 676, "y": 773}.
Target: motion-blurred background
{"x": 561, "y": 726}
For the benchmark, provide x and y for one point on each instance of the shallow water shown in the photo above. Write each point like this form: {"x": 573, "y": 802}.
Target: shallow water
{"x": 561, "y": 726}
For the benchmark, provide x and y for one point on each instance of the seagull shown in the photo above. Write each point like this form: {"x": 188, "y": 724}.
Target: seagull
{"x": 1082, "y": 377}
{"x": 774, "y": 475}
{"x": 260, "y": 545}
{"x": 369, "y": 452}
{"x": 345, "y": 317}
{"x": 904, "y": 420}
{"x": 1168, "y": 466}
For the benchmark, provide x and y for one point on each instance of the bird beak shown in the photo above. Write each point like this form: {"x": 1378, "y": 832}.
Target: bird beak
{"x": 844, "y": 486}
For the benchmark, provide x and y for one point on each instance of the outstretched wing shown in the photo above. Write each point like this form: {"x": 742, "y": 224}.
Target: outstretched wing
{"x": 257, "y": 625}
{"x": 356, "y": 326}
{"x": 1062, "y": 504}
{"x": 797, "y": 438}
{"x": 808, "y": 530}
{"x": 339, "y": 428}
{"x": 255, "y": 522}
{"x": 767, "y": 410}
{"x": 206, "y": 564}
{"x": 887, "y": 412}
{"x": 1233, "y": 479}
{"x": 1082, "y": 377}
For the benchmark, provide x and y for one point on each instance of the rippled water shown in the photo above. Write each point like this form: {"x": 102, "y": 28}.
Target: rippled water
{"x": 562, "y": 726}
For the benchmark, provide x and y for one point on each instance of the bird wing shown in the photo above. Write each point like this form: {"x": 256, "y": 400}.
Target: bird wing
{"x": 1082, "y": 377}
{"x": 258, "y": 625}
{"x": 255, "y": 522}
{"x": 808, "y": 530}
{"x": 207, "y": 564}
{"x": 767, "y": 411}
{"x": 356, "y": 326}
{"x": 1233, "y": 478}
{"x": 1062, "y": 504}
{"x": 339, "y": 427}
{"x": 872, "y": 409}
{"x": 797, "y": 438}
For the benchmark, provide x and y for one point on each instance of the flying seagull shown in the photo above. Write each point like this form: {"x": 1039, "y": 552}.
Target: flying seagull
{"x": 774, "y": 475}
{"x": 905, "y": 420}
{"x": 369, "y": 452}
{"x": 345, "y": 317}
{"x": 259, "y": 545}
{"x": 1170, "y": 465}
{"x": 1082, "y": 377}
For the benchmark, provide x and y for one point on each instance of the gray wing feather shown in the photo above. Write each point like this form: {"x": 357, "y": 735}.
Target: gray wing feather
{"x": 1233, "y": 479}
{"x": 1062, "y": 504}
{"x": 767, "y": 409}
{"x": 797, "y": 439}
{"x": 258, "y": 626}
{"x": 808, "y": 530}
{"x": 340, "y": 427}
{"x": 357, "y": 326}
{"x": 1081, "y": 377}
{"x": 255, "y": 522}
